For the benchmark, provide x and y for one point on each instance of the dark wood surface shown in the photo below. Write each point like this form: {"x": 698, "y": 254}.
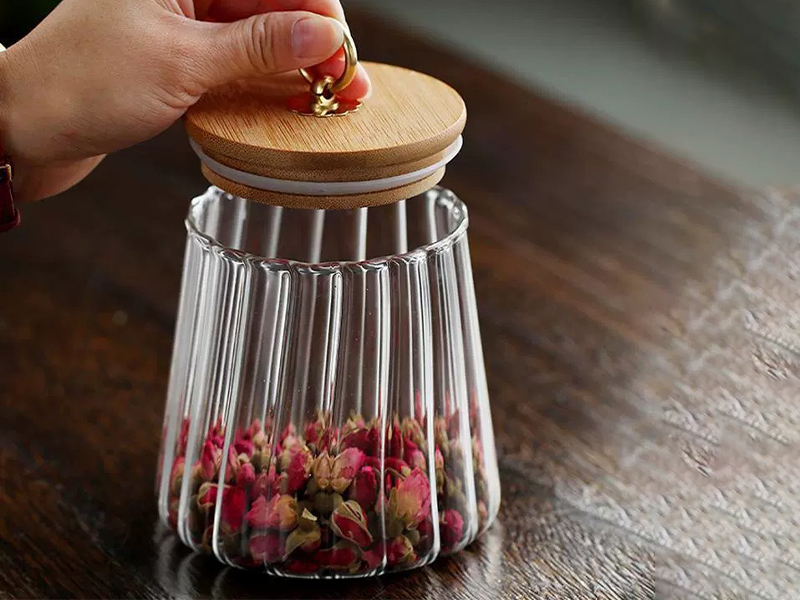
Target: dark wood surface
{"x": 637, "y": 319}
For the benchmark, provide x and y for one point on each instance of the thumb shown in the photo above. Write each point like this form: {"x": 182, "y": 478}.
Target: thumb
{"x": 266, "y": 44}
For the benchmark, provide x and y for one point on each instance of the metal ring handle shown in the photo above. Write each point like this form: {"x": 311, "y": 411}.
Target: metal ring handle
{"x": 351, "y": 64}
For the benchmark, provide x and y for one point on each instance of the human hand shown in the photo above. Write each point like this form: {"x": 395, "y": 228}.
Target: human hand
{"x": 97, "y": 76}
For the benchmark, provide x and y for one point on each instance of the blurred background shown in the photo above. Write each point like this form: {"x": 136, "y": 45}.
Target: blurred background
{"x": 716, "y": 82}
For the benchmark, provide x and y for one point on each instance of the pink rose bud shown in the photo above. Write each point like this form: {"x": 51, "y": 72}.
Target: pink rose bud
{"x": 289, "y": 434}
{"x": 245, "y": 476}
{"x": 345, "y": 467}
{"x": 207, "y": 496}
{"x": 373, "y": 461}
{"x": 438, "y": 459}
{"x": 365, "y": 488}
{"x": 243, "y": 446}
{"x": 397, "y": 464}
{"x": 366, "y": 440}
{"x": 266, "y": 484}
{"x": 323, "y": 470}
{"x": 279, "y": 513}
{"x": 454, "y": 425}
{"x": 425, "y": 528}
{"x": 232, "y": 470}
{"x": 234, "y": 503}
{"x": 451, "y": 528}
{"x": 267, "y": 547}
{"x": 410, "y": 501}
{"x": 341, "y": 556}
{"x": 298, "y": 470}
{"x": 209, "y": 461}
{"x": 326, "y": 439}
{"x": 400, "y": 551}
{"x": 373, "y": 557}
{"x": 394, "y": 442}
{"x": 311, "y": 432}
{"x": 216, "y": 434}
{"x": 349, "y": 522}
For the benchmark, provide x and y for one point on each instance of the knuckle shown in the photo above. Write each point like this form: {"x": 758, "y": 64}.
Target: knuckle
{"x": 264, "y": 33}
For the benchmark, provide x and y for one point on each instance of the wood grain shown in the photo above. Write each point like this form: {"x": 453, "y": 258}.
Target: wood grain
{"x": 640, "y": 326}
{"x": 406, "y": 125}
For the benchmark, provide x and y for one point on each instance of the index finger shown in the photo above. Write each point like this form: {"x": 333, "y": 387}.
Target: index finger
{"x": 236, "y": 10}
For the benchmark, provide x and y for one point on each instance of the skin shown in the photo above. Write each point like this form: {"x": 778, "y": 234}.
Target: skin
{"x": 97, "y": 76}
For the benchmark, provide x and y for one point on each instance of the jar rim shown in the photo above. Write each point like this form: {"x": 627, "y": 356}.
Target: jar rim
{"x": 420, "y": 253}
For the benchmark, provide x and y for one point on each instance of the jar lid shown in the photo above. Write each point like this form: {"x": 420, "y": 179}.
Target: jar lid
{"x": 393, "y": 147}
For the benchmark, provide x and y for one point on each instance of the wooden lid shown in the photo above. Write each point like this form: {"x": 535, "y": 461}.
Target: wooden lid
{"x": 409, "y": 125}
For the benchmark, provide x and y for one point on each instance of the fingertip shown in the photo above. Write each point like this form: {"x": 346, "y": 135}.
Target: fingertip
{"x": 361, "y": 88}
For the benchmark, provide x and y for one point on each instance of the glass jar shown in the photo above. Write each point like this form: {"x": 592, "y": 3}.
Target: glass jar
{"x": 327, "y": 412}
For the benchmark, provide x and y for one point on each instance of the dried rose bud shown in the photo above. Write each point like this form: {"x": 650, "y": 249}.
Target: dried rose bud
{"x": 207, "y": 496}
{"x": 373, "y": 461}
{"x": 326, "y": 439}
{"x": 232, "y": 469}
{"x": 365, "y": 487}
{"x": 307, "y": 540}
{"x": 234, "y": 504}
{"x": 176, "y": 477}
{"x": 440, "y": 472}
{"x": 349, "y": 522}
{"x": 266, "y": 484}
{"x": 216, "y": 434}
{"x": 397, "y": 464}
{"x": 451, "y": 528}
{"x": 312, "y": 431}
{"x": 245, "y": 476}
{"x": 279, "y": 513}
{"x": 210, "y": 460}
{"x": 341, "y": 556}
{"x": 266, "y": 547}
{"x": 440, "y": 434}
{"x": 477, "y": 452}
{"x": 366, "y": 440}
{"x": 259, "y": 438}
{"x": 322, "y": 470}
{"x": 373, "y": 557}
{"x": 413, "y": 455}
{"x": 394, "y": 442}
{"x": 295, "y": 463}
{"x": 400, "y": 551}
{"x": 243, "y": 446}
{"x": 425, "y": 528}
{"x": 454, "y": 424}
{"x": 288, "y": 432}
{"x": 410, "y": 501}
{"x": 345, "y": 467}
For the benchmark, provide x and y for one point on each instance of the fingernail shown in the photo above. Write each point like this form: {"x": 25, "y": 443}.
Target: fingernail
{"x": 316, "y": 37}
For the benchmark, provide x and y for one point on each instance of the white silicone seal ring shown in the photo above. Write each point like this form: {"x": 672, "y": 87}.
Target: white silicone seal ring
{"x": 324, "y": 188}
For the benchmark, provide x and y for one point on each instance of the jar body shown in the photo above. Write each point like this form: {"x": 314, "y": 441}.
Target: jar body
{"x": 327, "y": 412}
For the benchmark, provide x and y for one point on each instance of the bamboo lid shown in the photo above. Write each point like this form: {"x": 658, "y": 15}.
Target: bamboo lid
{"x": 393, "y": 147}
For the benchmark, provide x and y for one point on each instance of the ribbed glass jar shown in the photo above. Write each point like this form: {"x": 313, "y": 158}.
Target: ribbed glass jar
{"x": 327, "y": 413}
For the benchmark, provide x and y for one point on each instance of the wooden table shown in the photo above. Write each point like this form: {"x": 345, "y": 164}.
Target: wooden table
{"x": 640, "y": 327}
